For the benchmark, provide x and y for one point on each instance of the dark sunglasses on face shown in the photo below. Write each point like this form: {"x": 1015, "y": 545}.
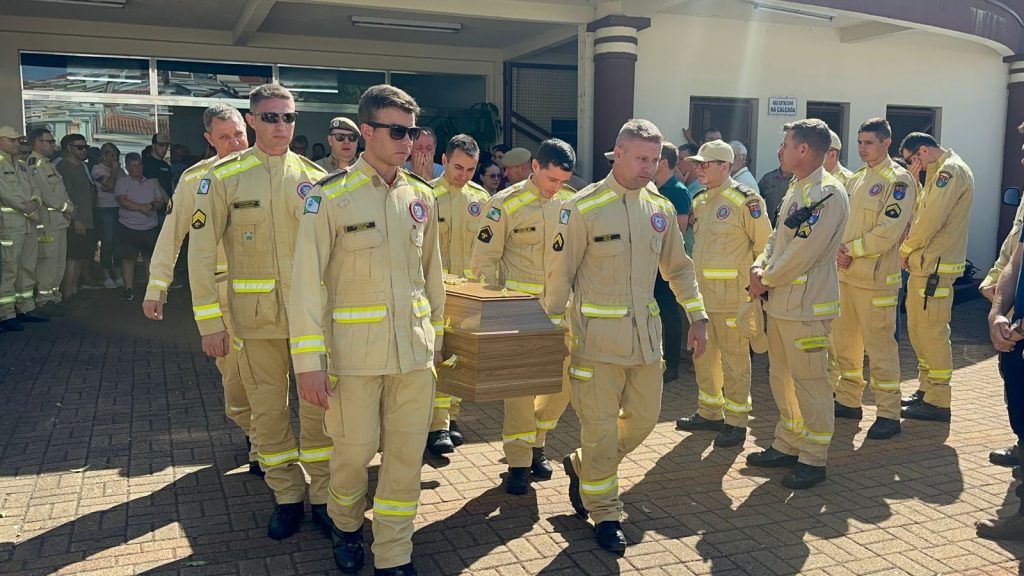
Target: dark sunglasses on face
{"x": 343, "y": 136}
{"x": 706, "y": 165}
{"x": 397, "y": 131}
{"x": 274, "y": 117}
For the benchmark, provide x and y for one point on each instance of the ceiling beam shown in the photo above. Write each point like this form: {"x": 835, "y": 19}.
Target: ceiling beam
{"x": 249, "y": 22}
{"x": 534, "y": 44}
{"x": 868, "y": 31}
{"x": 521, "y": 10}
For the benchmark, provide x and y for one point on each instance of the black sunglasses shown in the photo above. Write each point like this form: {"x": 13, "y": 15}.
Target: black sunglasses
{"x": 397, "y": 131}
{"x": 78, "y": 146}
{"x": 273, "y": 117}
{"x": 341, "y": 137}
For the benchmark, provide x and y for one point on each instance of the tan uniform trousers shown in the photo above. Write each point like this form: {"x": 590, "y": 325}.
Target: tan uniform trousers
{"x": 798, "y": 352}
{"x": 618, "y": 407}
{"x": 929, "y": 335}
{"x": 236, "y": 402}
{"x": 17, "y": 278}
{"x": 362, "y": 408}
{"x": 446, "y": 409}
{"x": 263, "y": 365}
{"x": 50, "y": 264}
{"x": 868, "y": 324}
{"x": 723, "y": 372}
{"x": 528, "y": 420}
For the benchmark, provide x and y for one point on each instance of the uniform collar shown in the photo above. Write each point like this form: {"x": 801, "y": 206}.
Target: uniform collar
{"x": 619, "y": 189}
{"x": 729, "y": 183}
{"x": 364, "y": 168}
{"x": 442, "y": 180}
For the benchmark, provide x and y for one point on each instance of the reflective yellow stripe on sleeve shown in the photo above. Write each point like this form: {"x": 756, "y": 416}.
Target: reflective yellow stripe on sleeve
{"x": 360, "y": 314}
{"x": 582, "y": 373}
{"x": 158, "y": 283}
{"x": 826, "y": 308}
{"x": 720, "y": 273}
{"x": 653, "y": 309}
{"x": 305, "y": 344}
{"x": 438, "y": 327}
{"x": 693, "y": 305}
{"x": 525, "y": 287}
{"x": 420, "y": 306}
{"x": 207, "y": 312}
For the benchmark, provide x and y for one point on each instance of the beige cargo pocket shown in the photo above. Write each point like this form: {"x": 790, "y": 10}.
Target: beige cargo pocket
{"x": 608, "y": 328}
{"x": 940, "y": 306}
{"x": 603, "y": 256}
{"x": 334, "y": 421}
{"x": 422, "y": 329}
{"x": 361, "y": 331}
{"x": 654, "y": 328}
{"x": 254, "y": 304}
{"x": 246, "y": 229}
{"x": 883, "y": 313}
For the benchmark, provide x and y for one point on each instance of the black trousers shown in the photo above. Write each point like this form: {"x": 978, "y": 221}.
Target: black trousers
{"x": 1011, "y": 368}
{"x": 671, "y": 323}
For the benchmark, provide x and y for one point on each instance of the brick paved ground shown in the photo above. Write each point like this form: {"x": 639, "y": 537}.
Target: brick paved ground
{"x": 166, "y": 492}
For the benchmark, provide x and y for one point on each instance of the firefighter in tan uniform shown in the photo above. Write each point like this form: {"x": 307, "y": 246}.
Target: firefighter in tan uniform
{"x": 372, "y": 238}
{"x": 881, "y": 202}
{"x": 19, "y": 211}
{"x": 934, "y": 253}
{"x": 797, "y": 271}
{"x": 225, "y": 131}
{"x": 53, "y": 221}
{"x": 460, "y": 209}
{"x": 252, "y": 202}
{"x": 832, "y": 164}
{"x": 612, "y": 239}
{"x": 732, "y": 229}
{"x": 510, "y": 252}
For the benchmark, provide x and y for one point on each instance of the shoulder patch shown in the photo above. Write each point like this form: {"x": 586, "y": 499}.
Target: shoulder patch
{"x": 333, "y": 175}
{"x": 754, "y": 207}
{"x": 943, "y": 179}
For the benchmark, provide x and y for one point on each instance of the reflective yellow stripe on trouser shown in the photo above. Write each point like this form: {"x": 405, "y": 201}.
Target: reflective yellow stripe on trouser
{"x": 929, "y": 335}
{"x": 868, "y": 324}
{"x": 51, "y": 260}
{"x": 527, "y": 421}
{"x": 723, "y": 373}
{"x": 398, "y": 405}
{"x": 798, "y": 376}
{"x": 263, "y": 366}
{"x": 17, "y": 277}
{"x": 617, "y": 407}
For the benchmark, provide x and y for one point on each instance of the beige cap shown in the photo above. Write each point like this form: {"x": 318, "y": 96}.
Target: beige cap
{"x": 714, "y": 151}
{"x": 10, "y": 132}
{"x": 837, "y": 144}
{"x": 343, "y": 123}
{"x": 750, "y": 323}
{"x": 515, "y": 157}
{"x": 610, "y": 155}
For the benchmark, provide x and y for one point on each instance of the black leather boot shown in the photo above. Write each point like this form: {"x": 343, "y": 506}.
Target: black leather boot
{"x": 285, "y": 520}
{"x": 348, "y": 550}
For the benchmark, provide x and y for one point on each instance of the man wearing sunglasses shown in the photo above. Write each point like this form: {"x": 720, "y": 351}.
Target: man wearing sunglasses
{"x": 370, "y": 238}
{"x": 19, "y": 212}
{"x": 53, "y": 224}
{"x": 732, "y": 229}
{"x": 250, "y": 203}
{"x": 460, "y": 213}
{"x": 934, "y": 252}
{"x": 343, "y": 138}
{"x": 225, "y": 131}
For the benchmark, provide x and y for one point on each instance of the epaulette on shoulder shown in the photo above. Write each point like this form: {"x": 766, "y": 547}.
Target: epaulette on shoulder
{"x": 32, "y": 160}
{"x": 569, "y": 189}
{"x": 332, "y": 176}
{"x": 478, "y": 188}
{"x": 745, "y": 190}
{"x": 310, "y": 164}
{"x": 416, "y": 178}
{"x": 699, "y": 193}
{"x": 658, "y": 199}
{"x": 196, "y": 170}
{"x": 865, "y": 167}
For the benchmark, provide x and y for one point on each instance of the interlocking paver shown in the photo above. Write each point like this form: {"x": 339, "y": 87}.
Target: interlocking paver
{"x": 166, "y": 490}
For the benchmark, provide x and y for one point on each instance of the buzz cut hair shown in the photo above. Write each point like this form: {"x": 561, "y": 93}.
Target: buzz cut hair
{"x": 639, "y": 129}
{"x": 915, "y": 140}
{"x": 381, "y": 96}
{"x": 670, "y": 154}
{"x": 36, "y": 134}
{"x": 463, "y": 142}
{"x": 132, "y": 157}
{"x": 272, "y": 91}
{"x": 813, "y": 132}
{"x": 220, "y": 111}
{"x": 557, "y": 153}
{"x": 878, "y": 126}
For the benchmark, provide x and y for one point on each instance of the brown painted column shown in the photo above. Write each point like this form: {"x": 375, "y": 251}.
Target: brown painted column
{"x": 615, "y": 43}
{"x": 1013, "y": 172}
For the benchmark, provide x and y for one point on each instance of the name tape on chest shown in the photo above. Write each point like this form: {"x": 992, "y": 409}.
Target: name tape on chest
{"x": 607, "y": 237}
{"x": 245, "y": 204}
{"x": 360, "y": 227}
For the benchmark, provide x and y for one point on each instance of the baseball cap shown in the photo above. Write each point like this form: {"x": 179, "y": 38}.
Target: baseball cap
{"x": 343, "y": 123}
{"x": 836, "y": 142}
{"x": 714, "y": 151}
{"x": 160, "y": 139}
{"x": 515, "y": 157}
{"x": 10, "y": 132}
{"x": 610, "y": 155}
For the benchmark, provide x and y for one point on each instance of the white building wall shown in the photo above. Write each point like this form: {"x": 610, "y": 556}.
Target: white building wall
{"x": 682, "y": 56}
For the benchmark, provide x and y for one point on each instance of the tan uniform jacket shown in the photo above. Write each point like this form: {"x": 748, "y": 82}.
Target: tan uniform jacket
{"x": 176, "y": 227}
{"x": 327, "y": 163}
{"x": 800, "y": 265}
{"x": 1006, "y": 250}
{"x": 842, "y": 173}
{"x": 881, "y": 207}
{"x": 252, "y": 203}
{"x": 943, "y": 214}
{"x": 608, "y": 246}
{"x": 459, "y": 214}
{"x": 730, "y": 229}
{"x": 518, "y": 224}
{"x": 50, "y": 186}
{"x": 374, "y": 247}
{"x": 15, "y": 190}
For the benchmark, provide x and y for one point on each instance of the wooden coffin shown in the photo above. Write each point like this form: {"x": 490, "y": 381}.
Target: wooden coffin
{"x": 504, "y": 343}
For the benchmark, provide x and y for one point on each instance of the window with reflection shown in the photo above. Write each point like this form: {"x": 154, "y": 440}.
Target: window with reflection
{"x": 94, "y": 74}
{"x": 129, "y": 126}
{"x": 210, "y": 79}
{"x": 328, "y": 86}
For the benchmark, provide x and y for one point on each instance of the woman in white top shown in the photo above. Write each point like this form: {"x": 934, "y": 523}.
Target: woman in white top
{"x": 106, "y": 174}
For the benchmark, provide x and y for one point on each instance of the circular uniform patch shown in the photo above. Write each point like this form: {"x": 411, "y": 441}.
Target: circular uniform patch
{"x": 418, "y": 211}
{"x": 474, "y": 209}
{"x": 658, "y": 222}
{"x": 304, "y": 189}
{"x": 875, "y": 190}
{"x": 723, "y": 212}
